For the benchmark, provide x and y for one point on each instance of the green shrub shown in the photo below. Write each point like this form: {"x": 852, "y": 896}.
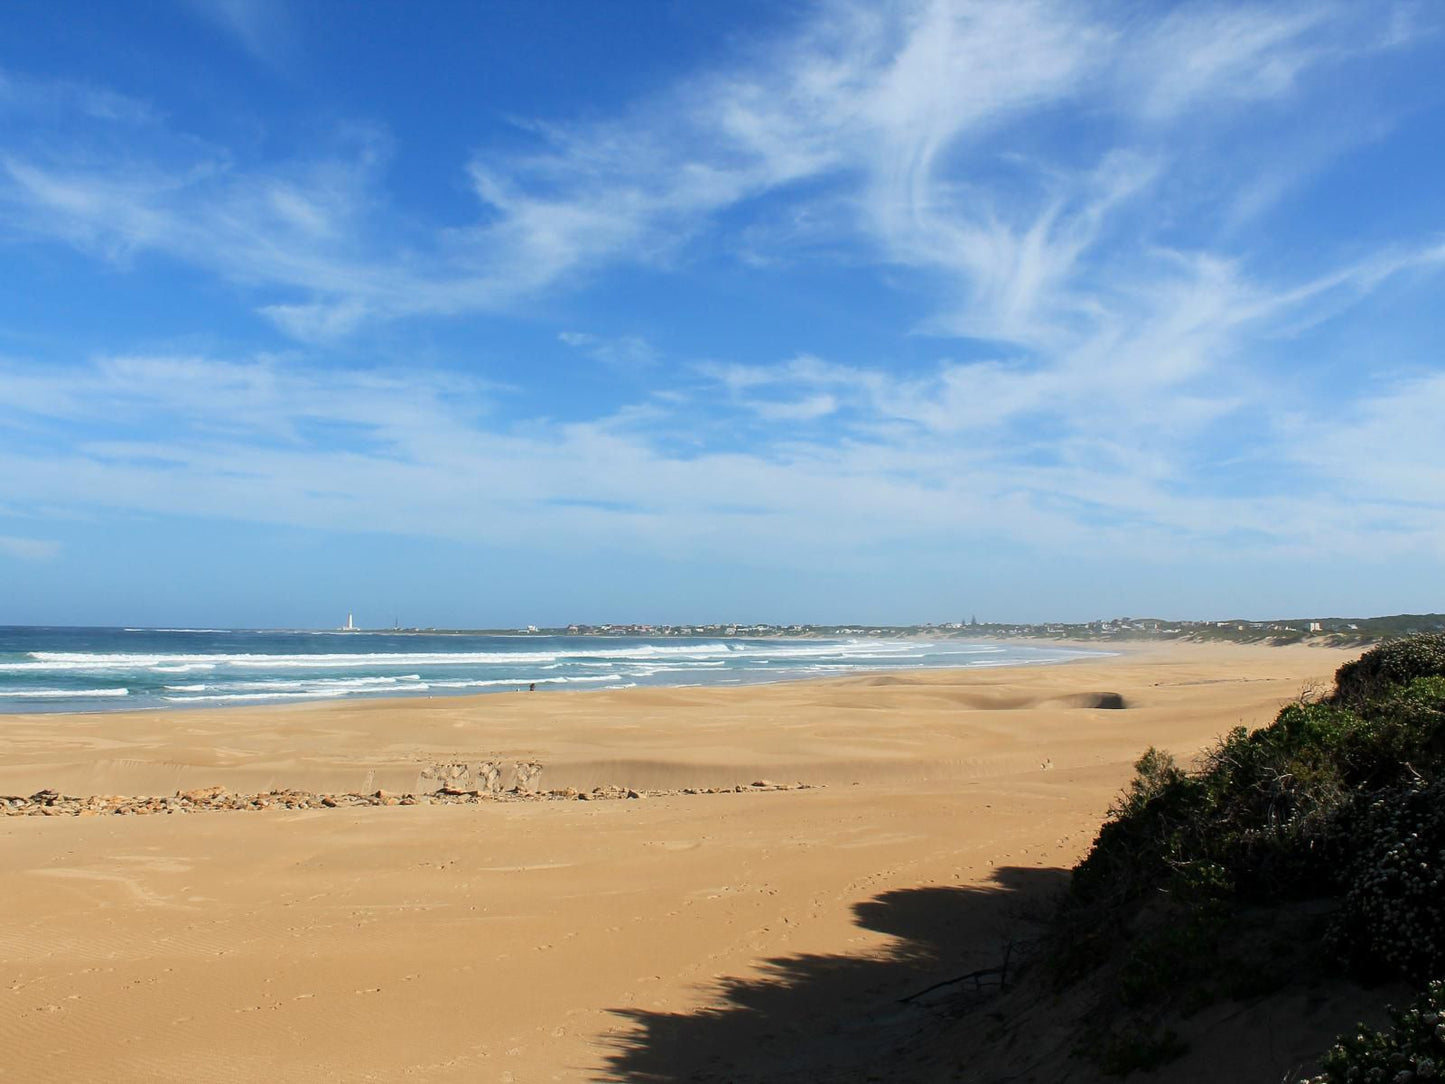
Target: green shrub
{"x": 1412, "y": 1049}
{"x": 1184, "y": 891}
{"x": 1140, "y": 843}
{"x": 1133, "y": 1049}
{"x": 1396, "y": 662}
{"x": 1273, "y": 796}
{"x": 1394, "y": 911}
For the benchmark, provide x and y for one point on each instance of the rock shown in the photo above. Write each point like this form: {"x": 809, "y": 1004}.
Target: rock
{"x": 488, "y": 776}
{"x": 766, "y": 783}
{"x": 634, "y": 794}
{"x": 203, "y": 795}
{"x": 583, "y": 796}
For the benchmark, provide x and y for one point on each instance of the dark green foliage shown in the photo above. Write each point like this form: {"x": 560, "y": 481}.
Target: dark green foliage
{"x": 1338, "y": 800}
{"x": 1134, "y": 1049}
{"x": 1412, "y": 1049}
{"x": 1177, "y": 953}
{"x": 1140, "y": 839}
{"x": 1394, "y": 914}
{"x": 1397, "y": 662}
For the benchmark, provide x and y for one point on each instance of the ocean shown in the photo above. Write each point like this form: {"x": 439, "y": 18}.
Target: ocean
{"x": 97, "y": 669}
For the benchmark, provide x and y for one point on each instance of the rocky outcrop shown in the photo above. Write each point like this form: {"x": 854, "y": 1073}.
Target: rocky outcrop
{"x": 483, "y": 776}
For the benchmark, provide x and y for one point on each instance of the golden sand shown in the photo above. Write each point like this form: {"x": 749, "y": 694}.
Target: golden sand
{"x": 566, "y": 940}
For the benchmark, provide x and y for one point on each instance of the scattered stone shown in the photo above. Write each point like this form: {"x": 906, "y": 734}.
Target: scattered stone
{"x": 203, "y": 795}
{"x": 51, "y": 803}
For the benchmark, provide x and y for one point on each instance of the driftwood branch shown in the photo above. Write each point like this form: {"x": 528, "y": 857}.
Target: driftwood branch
{"x": 999, "y": 974}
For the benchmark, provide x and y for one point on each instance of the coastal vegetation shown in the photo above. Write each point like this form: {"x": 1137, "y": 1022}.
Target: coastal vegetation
{"x": 1309, "y": 847}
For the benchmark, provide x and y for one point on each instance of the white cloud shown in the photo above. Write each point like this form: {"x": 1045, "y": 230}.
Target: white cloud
{"x": 262, "y": 27}
{"x": 53, "y": 99}
{"x": 632, "y": 352}
{"x": 889, "y": 119}
{"x": 29, "y": 549}
{"x": 320, "y": 321}
{"x": 803, "y": 410}
{"x": 1211, "y": 53}
{"x": 1389, "y": 447}
{"x": 962, "y": 451}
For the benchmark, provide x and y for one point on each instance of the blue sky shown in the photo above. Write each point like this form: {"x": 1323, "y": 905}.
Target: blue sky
{"x": 529, "y": 312}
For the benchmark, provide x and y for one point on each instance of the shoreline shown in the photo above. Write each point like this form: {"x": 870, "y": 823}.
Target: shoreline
{"x": 541, "y": 940}
{"x": 1086, "y": 650}
{"x": 79, "y": 672}
{"x": 162, "y": 751}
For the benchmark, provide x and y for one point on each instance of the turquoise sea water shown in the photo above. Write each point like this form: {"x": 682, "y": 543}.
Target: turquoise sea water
{"x": 75, "y": 669}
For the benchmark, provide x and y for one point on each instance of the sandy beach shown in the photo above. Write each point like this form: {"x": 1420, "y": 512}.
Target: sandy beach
{"x": 729, "y": 936}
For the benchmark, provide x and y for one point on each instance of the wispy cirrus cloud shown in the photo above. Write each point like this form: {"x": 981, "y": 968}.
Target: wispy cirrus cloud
{"x": 631, "y": 352}
{"x": 1208, "y": 53}
{"x": 28, "y": 549}
{"x": 729, "y": 456}
{"x": 896, "y": 121}
{"x": 1111, "y": 394}
{"x": 264, "y": 28}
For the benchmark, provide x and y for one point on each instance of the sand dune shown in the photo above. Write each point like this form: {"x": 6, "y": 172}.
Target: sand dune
{"x": 568, "y": 940}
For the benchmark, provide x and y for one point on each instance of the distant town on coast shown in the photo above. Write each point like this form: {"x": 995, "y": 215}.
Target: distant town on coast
{"x": 1331, "y": 631}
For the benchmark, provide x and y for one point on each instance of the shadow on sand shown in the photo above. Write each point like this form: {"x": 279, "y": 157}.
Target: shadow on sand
{"x": 843, "y": 1018}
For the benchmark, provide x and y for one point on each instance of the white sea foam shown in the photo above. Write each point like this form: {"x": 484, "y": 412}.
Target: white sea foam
{"x": 218, "y": 676}
{"x": 59, "y": 694}
{"x": 298, "y": 694}
{"x": 84, "y": 660}
{"x": 486, "y": 683}
{"x": 177, "y": 630}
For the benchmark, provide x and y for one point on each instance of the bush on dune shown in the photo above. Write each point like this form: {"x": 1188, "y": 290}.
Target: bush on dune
{"x": 1339, "y": 800}
{"x": 1394, "y": 913}
{"x": 1398, "y": 662}
{"x": 1412, "y": 1048}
